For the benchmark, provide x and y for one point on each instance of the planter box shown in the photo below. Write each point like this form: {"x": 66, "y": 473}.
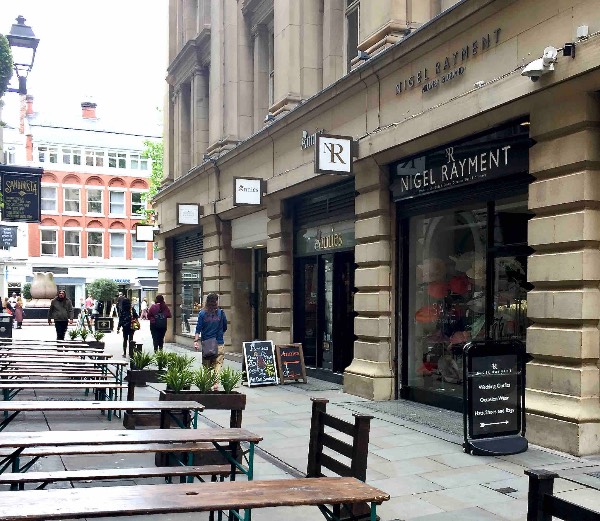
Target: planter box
{"x": 139, "y": 378}
{"x": 96, "y": 344}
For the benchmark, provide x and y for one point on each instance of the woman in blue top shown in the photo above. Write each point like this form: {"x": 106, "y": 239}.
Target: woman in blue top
{"x": 212, "y": 323}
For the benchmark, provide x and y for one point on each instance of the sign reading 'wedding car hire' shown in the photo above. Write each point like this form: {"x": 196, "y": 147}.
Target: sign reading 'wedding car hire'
{"x": 247, "y": 191}
{"x": 496, "y": 154}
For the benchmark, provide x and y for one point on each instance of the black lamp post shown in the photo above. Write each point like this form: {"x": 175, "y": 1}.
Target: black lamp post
{"x": 23, "y": 44}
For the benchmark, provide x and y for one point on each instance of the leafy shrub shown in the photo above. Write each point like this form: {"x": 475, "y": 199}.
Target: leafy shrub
{"x": 230, "y": 378}
{"x": 161, "y": 359}
{"x": 27, "y": 291}
{"x": 83, "y": 333}
{"x": 205, "y": 378}
{"x": 98, "y": 335}
{"x": 73, "y": 334}
{"x": 142, "y": 359}
{"x": 180, "y": 362}
{"x": 177, "y": 380}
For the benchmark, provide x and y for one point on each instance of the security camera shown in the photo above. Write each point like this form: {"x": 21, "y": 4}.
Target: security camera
{"x": 541, "y": 66}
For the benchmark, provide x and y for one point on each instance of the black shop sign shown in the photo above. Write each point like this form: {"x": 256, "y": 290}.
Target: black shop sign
{"x": 21, "y": 194}
{"x": 494, "y": 397}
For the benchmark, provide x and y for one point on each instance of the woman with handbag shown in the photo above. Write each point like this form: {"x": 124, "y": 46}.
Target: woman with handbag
{"x": 211, "y": 325}
{"x": 129, "y": 323}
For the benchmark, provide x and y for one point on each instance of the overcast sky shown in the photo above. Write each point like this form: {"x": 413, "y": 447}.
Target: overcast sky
{"x": 112, "y": 50}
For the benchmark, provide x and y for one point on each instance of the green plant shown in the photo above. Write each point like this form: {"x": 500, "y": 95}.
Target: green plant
{"x": 205, "y": 378}
{"x": 154, "y": 151}
{"x": 177, "y": 380}
{"x": 142, "y": 359}
{"x": 180, "y": 362}
{"x": 161, "y": 359}
{"x": 98, "y": 335}
{"x": 83, "y": 333}
{"x": 27, "y": 290}
{"x": 230, "y": 378}
{"x": 73, "y": 333}
{"x": 6, "y": 64}
{"x": 103, "y": 289}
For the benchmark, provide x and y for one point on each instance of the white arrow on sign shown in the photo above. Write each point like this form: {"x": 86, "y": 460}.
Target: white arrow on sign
{"x": 497, "y": 423}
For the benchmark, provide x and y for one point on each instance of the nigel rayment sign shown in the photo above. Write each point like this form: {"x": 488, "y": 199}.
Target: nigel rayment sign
{"x": 333, "y": 154}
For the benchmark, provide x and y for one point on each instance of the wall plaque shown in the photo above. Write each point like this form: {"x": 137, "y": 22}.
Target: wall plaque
{"x": 188, "y": 213}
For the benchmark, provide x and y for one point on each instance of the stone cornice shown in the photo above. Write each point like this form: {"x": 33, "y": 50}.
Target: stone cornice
{"x": 195, "y": 53}
{"x": 257, "y": 12}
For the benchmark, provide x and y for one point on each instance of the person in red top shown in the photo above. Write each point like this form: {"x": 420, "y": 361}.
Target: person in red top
{"x": 158, "y": 314}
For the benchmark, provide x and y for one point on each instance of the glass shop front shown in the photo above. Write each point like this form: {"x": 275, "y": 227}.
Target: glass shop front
{"x": 463, "y": 256}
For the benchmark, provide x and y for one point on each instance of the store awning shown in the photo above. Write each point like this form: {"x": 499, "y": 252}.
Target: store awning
{"x": 144, "y": 284}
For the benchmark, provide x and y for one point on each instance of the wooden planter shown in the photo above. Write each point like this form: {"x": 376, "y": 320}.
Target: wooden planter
{"x": 140, "y": 378}
{"x": 96, "y": 344}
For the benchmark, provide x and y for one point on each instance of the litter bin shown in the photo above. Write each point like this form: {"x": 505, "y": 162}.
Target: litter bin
{"x": 6, "y": 325}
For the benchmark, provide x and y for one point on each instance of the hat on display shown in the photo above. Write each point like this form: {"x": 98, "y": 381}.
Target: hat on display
{"x": 426, "y": 315}
{"x": 463, "y": 262}
{"x": 437, "y": 289}
{"x": 460, "y": 284}
{"x": 477, "y": 271}
{"x": 432, "y": 269}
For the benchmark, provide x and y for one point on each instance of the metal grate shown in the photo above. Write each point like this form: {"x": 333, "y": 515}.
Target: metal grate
{"x": 189, "y": 246}
{"x": 337, "y": 201}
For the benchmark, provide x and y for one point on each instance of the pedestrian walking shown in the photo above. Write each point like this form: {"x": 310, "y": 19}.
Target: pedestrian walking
{"x": 118, "y": 305}
{"x": 158, "y": 313}
{"x": 128, "y": 319}
{"x": 19, "y": 313}
{"x": 8, "y": 307}
{"x": 61, "y": 311}
{"x": 211, "y": 325}
{"x": 144, "y": 310}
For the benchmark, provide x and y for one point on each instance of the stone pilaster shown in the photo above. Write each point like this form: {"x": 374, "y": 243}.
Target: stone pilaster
{"x": 279, "y": 278}
{"x": 199, "y": 115}
{"x": 184, "y": 134}
{"x": 190, "y": 19}
{"x": 371, "y": 373}
{"x": 165, "y": 277}
{"x": 216, "y": 269}
{"x": 175, "y": 102}
{"x": 333, "y": 37}
{"x": 563, "y": 379}
{"x": 169, "y": 141}
{"x": 261, "y": 76}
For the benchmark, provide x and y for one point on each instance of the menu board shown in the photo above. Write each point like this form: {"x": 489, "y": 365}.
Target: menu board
{"x": 290, "y": 363}
{"x": 259, "y": 358}
{"x": 21, "y": 195}
{"x": 8, "y": 236}
{"x": 494, "y": 404}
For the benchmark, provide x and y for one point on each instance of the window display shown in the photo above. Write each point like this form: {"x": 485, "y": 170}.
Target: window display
{"x": 453, "y": 256}
{"x": 188, "y": 303}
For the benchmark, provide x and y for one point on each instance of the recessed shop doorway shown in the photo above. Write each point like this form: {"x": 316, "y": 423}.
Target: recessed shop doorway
{"x": 324, "y": 311}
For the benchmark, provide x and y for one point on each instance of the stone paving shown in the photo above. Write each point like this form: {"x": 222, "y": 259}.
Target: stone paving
{"x": 423, "y": 468}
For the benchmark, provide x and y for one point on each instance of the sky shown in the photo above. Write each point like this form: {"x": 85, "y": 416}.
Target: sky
{"x": 114, "y": 51}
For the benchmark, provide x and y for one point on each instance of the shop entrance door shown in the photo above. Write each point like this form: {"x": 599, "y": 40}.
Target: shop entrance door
{"x": 324, "y": 316}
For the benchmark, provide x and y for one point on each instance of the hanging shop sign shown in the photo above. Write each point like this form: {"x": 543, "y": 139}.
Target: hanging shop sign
{"x": 334, "y": 154}
{"x": 449, "y": 67}
{"x": 326, "y": 238}
{"x": 8, "y": 236}
{"x": 494, "y": 395}
{"x": 144, "y": 232}
{"x": 247, "y": 191}
{"x": 21, "y": 194}
{"x": 188, "y": 213}
{"x": 500, "y": 153}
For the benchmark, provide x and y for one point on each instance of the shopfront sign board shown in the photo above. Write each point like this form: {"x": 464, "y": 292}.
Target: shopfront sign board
{"x": 144, "y": 232}
{"x": 494, "y": 397}
{"x": 188, "y": 213}
{"x": 21, "y": 194}
{"x": 247, "y": 191}
{"x": 290, "y": 363}
{"x": 334, "y": 154}
{"x": 8, "y": 236}
{"x": 259, "y": 363}
{"x": 326, "y": 238}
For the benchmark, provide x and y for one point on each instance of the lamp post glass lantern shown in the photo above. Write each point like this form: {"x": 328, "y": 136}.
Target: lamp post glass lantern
{"x": 23, "y": 44}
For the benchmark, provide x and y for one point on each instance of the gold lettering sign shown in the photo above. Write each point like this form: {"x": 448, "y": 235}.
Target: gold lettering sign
{"x": 327, "y": 242}
{"x": 22, "y": 187}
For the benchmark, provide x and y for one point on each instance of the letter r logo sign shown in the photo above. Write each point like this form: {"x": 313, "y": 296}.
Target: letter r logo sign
{"x": 333, "y": 154}
{"x": 335, "y": 149}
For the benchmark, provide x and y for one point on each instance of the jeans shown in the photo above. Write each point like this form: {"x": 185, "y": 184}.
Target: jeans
{"x": 158, "y": 336}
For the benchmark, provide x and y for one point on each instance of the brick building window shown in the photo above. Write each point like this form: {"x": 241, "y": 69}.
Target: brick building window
{"x": 94, "y": 157}
{"x": 72, "y": 201}
{"x": 117, "y": 160}
{"x": 71, "y": 156}
{"x": 138, "y": 249}
{"x": 95, "y": 246}
{"x": 117, "y": 203}
{"x": 48, "y": 199}
{"x": 71, "y": 244}
{"x": 117, "y": 245}
{"x": 48, "y": 242}
{"x": 137, "y": 162}
{"x": 94, "y": 200}
{"x": 137, "y": 204}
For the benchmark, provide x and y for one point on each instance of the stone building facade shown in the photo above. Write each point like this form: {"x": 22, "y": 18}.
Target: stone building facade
{"x": 470, "y": 213}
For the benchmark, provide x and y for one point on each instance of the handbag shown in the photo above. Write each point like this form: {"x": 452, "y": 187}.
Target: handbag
{"x": 210, "y": 348}
{"x": 135, "y": 324}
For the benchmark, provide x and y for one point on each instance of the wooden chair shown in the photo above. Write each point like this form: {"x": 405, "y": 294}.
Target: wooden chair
{"x": 324, "y": 433}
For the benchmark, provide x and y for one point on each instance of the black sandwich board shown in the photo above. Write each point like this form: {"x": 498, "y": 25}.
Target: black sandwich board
{"x": 494, "y": 398}
{"x": 290, "y": 363}
{"x": 259, "y": 358}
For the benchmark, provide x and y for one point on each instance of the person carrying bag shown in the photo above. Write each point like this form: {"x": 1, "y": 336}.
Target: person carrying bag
{"x": 211, "y": 325}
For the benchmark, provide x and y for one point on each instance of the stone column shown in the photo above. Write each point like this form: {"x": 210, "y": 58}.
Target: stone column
{"x": 371, "y": 373}
{"x": 184, "y": 135}
{"x": 175, "y": 102}
{"x": 199, "y": 115}
{"x": 279, "y": 278}
{"x": 563, "y": 379}
{"x": 165, "y": 276}
{"x": 169, "y": 141}
{"x": 333, "y": 41}
{"x": 216, "y": 269}
{"x": 261, "y": 76}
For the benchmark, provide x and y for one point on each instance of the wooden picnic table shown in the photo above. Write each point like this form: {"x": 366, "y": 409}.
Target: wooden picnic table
{"x": 37, "y": 505}
{"x": 17, "y": 407}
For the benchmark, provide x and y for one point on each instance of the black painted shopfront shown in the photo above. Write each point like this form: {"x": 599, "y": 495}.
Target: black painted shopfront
{"x": 324, "y": 279}
{"x": 462, "y": 273}
{"x": 187, "y": 288}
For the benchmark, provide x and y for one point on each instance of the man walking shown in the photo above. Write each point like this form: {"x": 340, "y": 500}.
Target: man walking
{"x": 61, "y": 311}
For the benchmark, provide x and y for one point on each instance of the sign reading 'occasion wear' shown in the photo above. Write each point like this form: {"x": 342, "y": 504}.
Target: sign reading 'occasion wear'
{"x": 500, "y": 153}
{"x": 21, "y": 195}
{"x": 247, "y": 190}
{"x": 333, "y": 154}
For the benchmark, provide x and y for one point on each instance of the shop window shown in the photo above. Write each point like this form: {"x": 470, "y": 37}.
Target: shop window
{"x": 95, "y": 244}
{"x": 188, "y": 291}
{"x": 72, "y": 200}
{"x": 117, "y": 245}
{"x": 94, "y": 201}
{"x": 71, "y": 244}
{"x": 466, "y": 281}
{"x": 48, "y": 198}
{"x": 48, "y": 242}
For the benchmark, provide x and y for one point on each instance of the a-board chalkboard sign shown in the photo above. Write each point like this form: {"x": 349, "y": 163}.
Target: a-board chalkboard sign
{"x": 22, "y": 197}
{"x": 8, "y": 236}
{"x": 290, "y": 363}
{"x": 494, "y": 392}
{"x": 259, "y": 358}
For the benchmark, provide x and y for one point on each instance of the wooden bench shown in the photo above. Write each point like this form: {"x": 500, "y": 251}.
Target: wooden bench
{"x": 42, "y": 505}
{"x": 107, "y": 390}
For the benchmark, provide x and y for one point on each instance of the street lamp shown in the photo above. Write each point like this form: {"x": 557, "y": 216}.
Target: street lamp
{"x": 23, "y": 45}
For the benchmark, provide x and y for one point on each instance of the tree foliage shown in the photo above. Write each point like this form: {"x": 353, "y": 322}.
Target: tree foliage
{"x": 154, "y": 151}
{"x": 103, "y": 289}
{"x": 6, "y": 64}
{"x": 27, "y": 290}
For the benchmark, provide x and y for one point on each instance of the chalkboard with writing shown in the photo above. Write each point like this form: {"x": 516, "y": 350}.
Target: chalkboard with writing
{"x": 8, "y": 236}
{"x": 259, "y": 358}
{"x": 22, "y": 197}
{"x": 290, "y": 363}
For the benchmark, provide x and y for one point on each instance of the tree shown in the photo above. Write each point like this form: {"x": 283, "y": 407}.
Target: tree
{"x": 154, "y": 150}
{"x": 27, "y": 290}
{"x": 6, "y": 64}
{"x": 103, "y": 289}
